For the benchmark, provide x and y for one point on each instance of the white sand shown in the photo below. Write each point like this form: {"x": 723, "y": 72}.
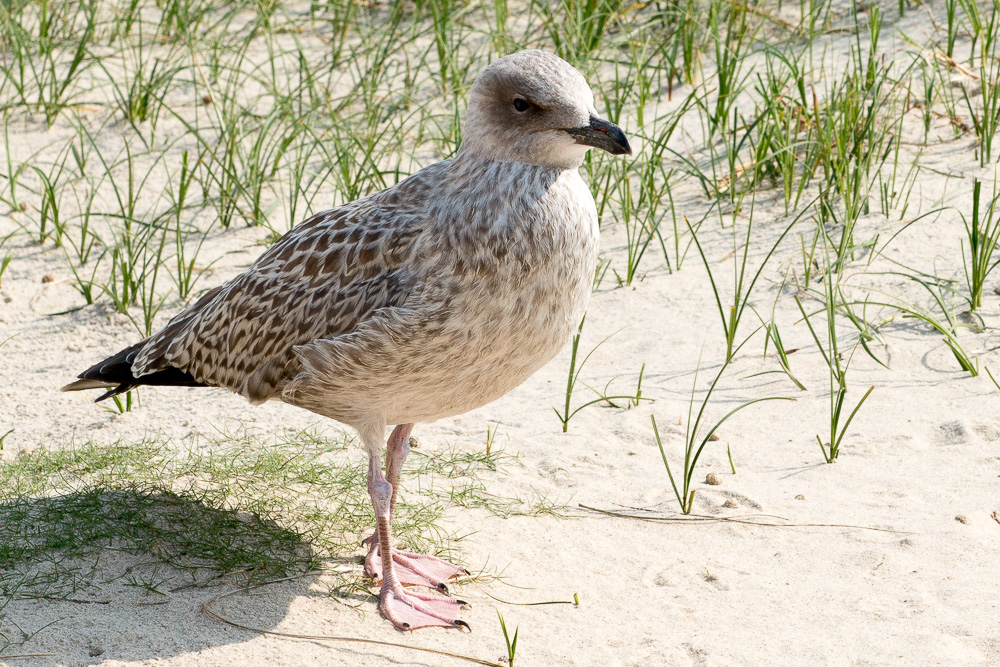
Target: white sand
{"x": 925, "y": 449}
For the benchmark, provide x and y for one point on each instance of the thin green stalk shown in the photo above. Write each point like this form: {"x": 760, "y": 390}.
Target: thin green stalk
{"x": 983, "y": 233}
{"x": 694, "y": 443}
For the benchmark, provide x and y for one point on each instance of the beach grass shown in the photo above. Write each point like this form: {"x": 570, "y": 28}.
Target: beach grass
{"x": 152, "y": 148}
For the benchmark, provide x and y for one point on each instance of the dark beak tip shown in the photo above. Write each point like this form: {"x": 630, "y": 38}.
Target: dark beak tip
{"x": 604, "y": 135}
{"x": 623, "y": 142}
{"x": 621, "y": 145}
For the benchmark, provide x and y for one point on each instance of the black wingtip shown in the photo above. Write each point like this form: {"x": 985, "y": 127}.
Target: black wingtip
{"x": 115, "y": 375}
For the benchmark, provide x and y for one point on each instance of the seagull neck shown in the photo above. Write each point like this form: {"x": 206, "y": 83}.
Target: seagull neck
{"x": 469, "y": 158}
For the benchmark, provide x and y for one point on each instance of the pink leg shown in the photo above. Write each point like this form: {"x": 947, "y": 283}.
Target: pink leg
{"x": 406, "y": 610}
{"x": 411, "y": 569}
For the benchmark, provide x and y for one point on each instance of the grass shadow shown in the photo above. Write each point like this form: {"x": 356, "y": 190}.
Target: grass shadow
{"x": 138, "y": 524}
{"x": 55, "y": 547}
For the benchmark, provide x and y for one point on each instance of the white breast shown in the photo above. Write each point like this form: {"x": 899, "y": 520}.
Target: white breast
{"x": 508, "y": 323}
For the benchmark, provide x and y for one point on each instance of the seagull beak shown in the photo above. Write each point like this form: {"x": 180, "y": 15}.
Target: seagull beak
{"x": 602, "y": 134}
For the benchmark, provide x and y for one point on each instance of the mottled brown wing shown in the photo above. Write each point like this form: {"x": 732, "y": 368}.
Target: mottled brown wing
{"x": 321, "y": 280}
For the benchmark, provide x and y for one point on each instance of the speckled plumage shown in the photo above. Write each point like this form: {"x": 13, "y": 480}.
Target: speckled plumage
{"x": 422, "y": 301}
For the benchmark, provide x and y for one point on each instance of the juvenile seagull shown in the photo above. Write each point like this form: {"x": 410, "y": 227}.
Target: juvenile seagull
{"x": 422, "y": 301}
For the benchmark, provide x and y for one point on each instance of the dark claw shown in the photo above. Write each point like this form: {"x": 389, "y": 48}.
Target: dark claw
{"x": 444, "y": 589}
{"x": 463, "y": 624}
{"x": 463, "y": 602}
{"x": 406, "y": 625}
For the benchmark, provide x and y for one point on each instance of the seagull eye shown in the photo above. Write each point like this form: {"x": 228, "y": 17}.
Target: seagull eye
{"x": 521, "y": 105}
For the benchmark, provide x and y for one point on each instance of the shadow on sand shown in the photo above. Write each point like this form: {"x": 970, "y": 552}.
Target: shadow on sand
{"x": 121, "y": 574}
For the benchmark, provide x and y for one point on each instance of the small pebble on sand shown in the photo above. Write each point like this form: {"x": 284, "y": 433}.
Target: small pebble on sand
{"x": 713, "y": 479}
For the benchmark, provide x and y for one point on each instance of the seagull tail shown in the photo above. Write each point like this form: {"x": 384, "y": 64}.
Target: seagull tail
{"x": 114, "y": 374}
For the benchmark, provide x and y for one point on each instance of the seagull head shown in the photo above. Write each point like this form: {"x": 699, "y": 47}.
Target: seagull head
{"x": 536, "y": 108}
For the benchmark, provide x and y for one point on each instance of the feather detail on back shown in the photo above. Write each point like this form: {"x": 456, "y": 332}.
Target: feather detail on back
{"x": 321, "y": 280}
